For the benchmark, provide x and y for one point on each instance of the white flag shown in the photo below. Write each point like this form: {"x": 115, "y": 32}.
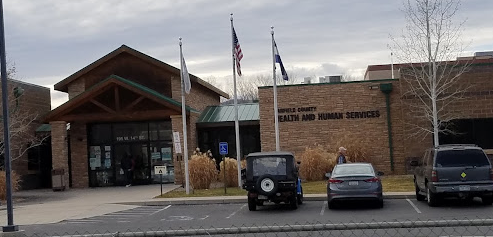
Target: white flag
{"x": 184, "y": 75}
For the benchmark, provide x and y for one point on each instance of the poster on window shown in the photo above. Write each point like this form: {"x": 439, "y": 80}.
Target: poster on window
{"x": 166, "y": 153}
{"x": 92, "y": 163}
{"x": 107, "y": 163}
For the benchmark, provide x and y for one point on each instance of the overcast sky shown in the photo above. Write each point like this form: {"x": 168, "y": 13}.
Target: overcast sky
{"x": 49, "y": 40}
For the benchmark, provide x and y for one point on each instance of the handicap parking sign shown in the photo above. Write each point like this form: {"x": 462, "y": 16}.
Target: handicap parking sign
{"x": 223, "y": 148}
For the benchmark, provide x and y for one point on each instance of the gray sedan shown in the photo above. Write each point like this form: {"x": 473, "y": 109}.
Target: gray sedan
{"x": 354, "y": 181}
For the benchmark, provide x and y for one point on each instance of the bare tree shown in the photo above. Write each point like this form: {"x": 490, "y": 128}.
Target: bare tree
{"x": 430, "y": 76}
{"x": 247, "y": 87}
{"x": 22, "y": 124}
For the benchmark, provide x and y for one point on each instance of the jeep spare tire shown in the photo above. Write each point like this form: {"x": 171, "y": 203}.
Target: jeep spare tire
{"x": 267, "y": 185}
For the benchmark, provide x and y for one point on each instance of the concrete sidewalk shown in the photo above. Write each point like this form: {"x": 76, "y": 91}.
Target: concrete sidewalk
{"x": 45, "y": 206}
{"x": 240, "y": 199}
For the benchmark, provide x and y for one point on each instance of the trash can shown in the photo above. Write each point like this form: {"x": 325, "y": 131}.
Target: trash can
{"x": 57, "y": 180}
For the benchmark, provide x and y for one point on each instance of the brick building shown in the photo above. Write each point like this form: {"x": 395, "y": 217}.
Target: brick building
{"x": 336, "y": 114}
{"x": 124, "y": 104}
{"x": 27, "y": 104}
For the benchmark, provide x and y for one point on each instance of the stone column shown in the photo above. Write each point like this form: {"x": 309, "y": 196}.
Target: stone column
{"x": 59, "y": 149}
{"x": 78, "y": 145}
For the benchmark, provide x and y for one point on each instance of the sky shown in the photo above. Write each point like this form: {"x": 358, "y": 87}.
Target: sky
{"x": 49, "y": 40}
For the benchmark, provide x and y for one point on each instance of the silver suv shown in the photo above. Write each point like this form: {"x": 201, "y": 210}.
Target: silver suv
{"x": 462, "y": 171}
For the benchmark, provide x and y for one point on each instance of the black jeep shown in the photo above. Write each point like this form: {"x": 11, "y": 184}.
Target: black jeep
{"x": 273, "y": 177}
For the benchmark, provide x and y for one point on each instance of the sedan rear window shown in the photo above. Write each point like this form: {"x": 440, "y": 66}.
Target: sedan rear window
{"x": 348, "y": 170}
{"x": 461, "y": 158}
{"x": 269, "y": 165}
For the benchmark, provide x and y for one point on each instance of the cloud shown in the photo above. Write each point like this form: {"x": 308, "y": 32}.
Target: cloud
{"x": 51, "y": 39}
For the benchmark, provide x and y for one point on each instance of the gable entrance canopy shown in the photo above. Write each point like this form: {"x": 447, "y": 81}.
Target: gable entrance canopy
{"x": 117, "y": 99}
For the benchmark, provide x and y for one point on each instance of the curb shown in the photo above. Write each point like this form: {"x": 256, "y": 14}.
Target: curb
{"x": 232, "y": 200}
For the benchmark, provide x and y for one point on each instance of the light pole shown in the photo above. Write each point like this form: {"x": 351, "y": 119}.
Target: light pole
{"x": 6, "y": 133}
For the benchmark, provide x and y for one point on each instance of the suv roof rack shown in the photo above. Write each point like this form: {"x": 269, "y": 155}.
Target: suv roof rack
{"x": 452, "y": 145}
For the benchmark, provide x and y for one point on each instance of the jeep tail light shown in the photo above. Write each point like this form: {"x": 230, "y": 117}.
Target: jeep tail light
{"x": 335, "y": 181}
{"x": 372, "y": 180}
{"x": 434, "y": 176}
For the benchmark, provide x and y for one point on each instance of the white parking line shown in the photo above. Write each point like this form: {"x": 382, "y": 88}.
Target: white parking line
{"x": 160, "y": 210}
{"x": 234, "y": 213}
{"x": 414, "y": 206}
{"x": 204, "y": 218}
{"x": 324, "y": 206}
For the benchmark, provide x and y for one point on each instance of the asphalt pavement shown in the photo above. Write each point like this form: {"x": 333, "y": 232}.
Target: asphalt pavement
{"x": 147, "y": 218}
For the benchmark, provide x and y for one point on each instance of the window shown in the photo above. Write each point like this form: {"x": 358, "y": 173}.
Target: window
{"x": 462, "y": 158}
{"x": 100, "y": 133}
{"x": 350, "y": 170}
{"x": 269, "y": 165}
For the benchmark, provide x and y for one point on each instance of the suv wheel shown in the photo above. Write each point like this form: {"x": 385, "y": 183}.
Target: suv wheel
{"x": 252, "y": 204}
{"x": 431, "y": 197}
{"x": 267, "y": 185}
{"x": 487, "y": 200}
{"x": 419, "y": 196}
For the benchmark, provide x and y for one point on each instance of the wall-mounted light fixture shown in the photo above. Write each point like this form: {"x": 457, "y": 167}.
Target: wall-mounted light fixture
{"x": 373, "y": 87}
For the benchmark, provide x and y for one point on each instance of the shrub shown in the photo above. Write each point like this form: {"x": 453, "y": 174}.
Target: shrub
{"x": 3, "y": 188}
{"x": 357, "y": 151}
{"x": 231, "y": 171}
{"x": 315, "y": 162}
{"x": 202, "y": 170}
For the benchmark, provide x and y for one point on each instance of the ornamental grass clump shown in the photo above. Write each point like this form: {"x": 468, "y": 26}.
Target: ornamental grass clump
{"x": 231, "y": 172}
{"x": 357, "y": 150}
{"x": 3, "y": 188}
{"x": 316, "y": 162}
{"x": 202, "y": 169}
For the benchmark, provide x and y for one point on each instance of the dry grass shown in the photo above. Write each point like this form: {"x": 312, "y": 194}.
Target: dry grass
{"x": 231, "y": 172}
{"x": 357, "y": 150}
{"x": 205, "y": 193}
{"x": 389, "y": 183}
{"x": 202, "y": 168}
{"x": 15, "y": 183}
{"x": 315, "y": 162}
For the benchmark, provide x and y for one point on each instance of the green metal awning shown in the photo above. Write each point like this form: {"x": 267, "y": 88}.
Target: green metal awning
{"x": 44, "y": 128}
{"x": 226, "y": 113}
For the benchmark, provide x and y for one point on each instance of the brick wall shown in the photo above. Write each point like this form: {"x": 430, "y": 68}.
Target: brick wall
{"x": 32, "y": 105}
{"x": 371, "y": 133}
{"x": 59, "y": 148}
{"x": 79, "y": 156}
{"x": 76, "y": 87}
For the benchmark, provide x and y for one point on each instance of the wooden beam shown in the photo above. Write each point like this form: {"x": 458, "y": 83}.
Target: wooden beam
{"x": 134, "y": 103}
{"x": 102, "y": 106}
{"x": 133, "y": 116}
{"x": 117, "y": 99}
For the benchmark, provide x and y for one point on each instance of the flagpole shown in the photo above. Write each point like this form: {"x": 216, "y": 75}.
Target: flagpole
{"x": 237, "y": 126}
{"x": 184, "y": 121}
{"x": 276, "y": 119}
{"x": 392, "y": 64}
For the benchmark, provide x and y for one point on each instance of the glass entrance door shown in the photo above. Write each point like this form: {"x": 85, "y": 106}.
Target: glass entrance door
{"x": 139, "y": 153}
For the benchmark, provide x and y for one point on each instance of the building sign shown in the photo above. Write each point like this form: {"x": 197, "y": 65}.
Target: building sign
{"x": 310, "y": 114}
{"x": 130, "y": 138}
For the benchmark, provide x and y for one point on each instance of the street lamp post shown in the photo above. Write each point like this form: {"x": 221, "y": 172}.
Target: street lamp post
{"x": 6, "y": 133}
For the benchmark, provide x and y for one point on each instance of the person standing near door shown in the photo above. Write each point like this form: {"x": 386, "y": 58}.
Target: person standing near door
{"x": 128, "y": 165}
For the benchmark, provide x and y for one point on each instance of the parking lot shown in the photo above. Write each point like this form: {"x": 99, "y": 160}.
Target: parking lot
{"x": 227, "y": 215}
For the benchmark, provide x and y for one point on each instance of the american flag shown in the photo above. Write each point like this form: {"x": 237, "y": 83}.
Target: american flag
{"x": 238, "y": 53}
